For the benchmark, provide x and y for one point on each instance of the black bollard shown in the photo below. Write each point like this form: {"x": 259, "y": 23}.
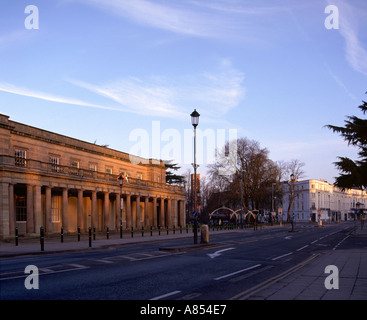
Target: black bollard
{"x": 62, "y": 234}
{"x": 16, "y": 236}
{"x": 174, "y": 229}
{"x": 108, "y": 232}
{"x": 120, "y": 230}
{"x": 142, "y": 231}
{"x": 132, "y": 232}
{"x": 42, "y": 239}
{"x": 90, "y": 237}
{"x": 167, "y": 230}
{"x": 151, "y": 231}
{"x": 159, "y": 230}
{"x": 78, "y": 233}
{"x": 94, "y": 233}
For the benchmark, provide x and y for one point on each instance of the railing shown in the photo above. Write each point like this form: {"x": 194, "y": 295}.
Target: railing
{"x": 51, "y": 168}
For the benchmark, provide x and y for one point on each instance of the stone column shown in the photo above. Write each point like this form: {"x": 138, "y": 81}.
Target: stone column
{"x": 118, "y": 213}
{"x": 30, "y": 215}
{"x": 5, "y": 209}
{"x": 138, "y": 212}
{"x": 37, "y": 207}
{"x": 64, "y": 213}
{"x": 182, "y": 213}
{"x": 106, "y": 210}
{"x": 161, "y": 214}
{"x": 94, "y": 210}
{"x": 174, "y": 213}
{"x": 146, "y": 211}
{"x": 169, "y": 212}
{"x": 11, "y": 210}
{"x": 155, "y": 223}
{"x": 48, "y": 210}
{"x": 128, "y": 211}
{"x": 80, "y": 210}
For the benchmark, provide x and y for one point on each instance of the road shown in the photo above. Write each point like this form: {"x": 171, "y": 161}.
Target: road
{"x": 235, "y": 264}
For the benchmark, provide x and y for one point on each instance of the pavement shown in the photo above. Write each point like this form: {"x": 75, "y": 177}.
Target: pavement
{"x": 305, "y": 281}
{"x": 310, "y": 280}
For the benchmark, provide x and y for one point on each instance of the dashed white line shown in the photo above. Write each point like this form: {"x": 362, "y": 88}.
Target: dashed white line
{"x": 236, "y": 272}
{"x": 299, "y": 249}
{"x": 165, "y": 295}
{"x": 284, "y": 255}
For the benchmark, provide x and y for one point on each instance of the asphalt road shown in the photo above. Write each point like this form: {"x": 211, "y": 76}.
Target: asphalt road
{"x": 237, "y": 263}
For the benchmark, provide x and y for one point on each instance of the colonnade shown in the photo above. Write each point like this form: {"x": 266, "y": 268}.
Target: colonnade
{"x": 29, "y": 207}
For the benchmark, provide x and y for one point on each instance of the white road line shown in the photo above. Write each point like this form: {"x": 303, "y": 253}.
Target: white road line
{"x": 299, "y": 249}
{"x": 284, "y": 255}
{"x": 165, "y": 295}
{"x": 314, "y": 241}
{"x": 340, "y": 242}
{"x": 239, "y": 271}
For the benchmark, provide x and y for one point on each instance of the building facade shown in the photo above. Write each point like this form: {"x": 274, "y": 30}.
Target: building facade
{"x": 316, "y": 200}
{"x": 52, "y": 181}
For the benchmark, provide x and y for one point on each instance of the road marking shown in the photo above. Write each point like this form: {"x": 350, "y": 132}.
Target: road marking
{"x": 237, "y": 272}
{"x": 284, "y": 255}
{"x": 165, "y": 295}
{"x": 340, "y": 242}
{"x": 314, "y": 241}
{"x": 218, "y": 253}
{"x": 251, "y": 274}
{"x": 299, "y": 249}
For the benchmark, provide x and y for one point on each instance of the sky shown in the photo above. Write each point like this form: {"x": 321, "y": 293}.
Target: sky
{"x": 128, "y": 74}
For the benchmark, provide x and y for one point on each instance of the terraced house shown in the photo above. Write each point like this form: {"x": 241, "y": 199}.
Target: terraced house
{"x": 54, "y": 181}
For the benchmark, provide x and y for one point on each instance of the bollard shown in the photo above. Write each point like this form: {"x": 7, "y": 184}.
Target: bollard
{"x": 94, "y": 233}
{"x": 167, "y": 230}
{"x": 62, "y": 234}
{"x": 187, "y": 228}
{"x": 159, "y": 230}
{"x": 120, "y": 230}
{"x": 151, "y": 231}
{"x": 78, "y": 233}
{"x": 174, "y": 229}
{"x": 180, "y": 229}
{"x": 90, "y": 236}
{"x": 108, "y": 232}
{"x": 132, "y": 232}
{"x": 142, "y": 231}
{"x": 42, "y": 239}
{"x": 16, "y": 236}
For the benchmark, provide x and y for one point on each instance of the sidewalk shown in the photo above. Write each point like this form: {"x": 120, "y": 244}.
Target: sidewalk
{"x": 53, "y": 244}
{"x": 306, "y": 281}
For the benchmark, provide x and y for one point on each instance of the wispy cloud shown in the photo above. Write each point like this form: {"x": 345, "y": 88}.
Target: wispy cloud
{"x": 356, "y": 54}
{"x": 194, "y": 18}
{"x": 215, "y": 92}
{"x": 10, "y": 88}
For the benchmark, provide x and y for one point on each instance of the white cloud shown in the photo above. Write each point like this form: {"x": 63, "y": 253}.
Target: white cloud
{"x": 215, "y": 93}
{"x": 9, "y": 88}
{"x": 356, "y": 54}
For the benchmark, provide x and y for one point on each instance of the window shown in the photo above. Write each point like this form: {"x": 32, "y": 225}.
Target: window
{"x": 55, "y": 162}
{"x": 109, "y": 170}
{"x": 74, "y": 163}
{"x": 93, "y": 167}
{"x": 20, "y": 157}
{"x": 56, "y": 208}
{"x": 140, "y": 176}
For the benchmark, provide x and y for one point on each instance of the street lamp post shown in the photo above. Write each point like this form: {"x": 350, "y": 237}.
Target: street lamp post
{"x": 195, "y": 121}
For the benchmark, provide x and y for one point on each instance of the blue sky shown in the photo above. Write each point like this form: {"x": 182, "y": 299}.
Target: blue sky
{"x": 101, "y": 70}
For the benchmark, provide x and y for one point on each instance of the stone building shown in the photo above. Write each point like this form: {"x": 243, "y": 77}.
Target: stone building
{"x": 316, "y": 200}
{"x": 54, "y": 181}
